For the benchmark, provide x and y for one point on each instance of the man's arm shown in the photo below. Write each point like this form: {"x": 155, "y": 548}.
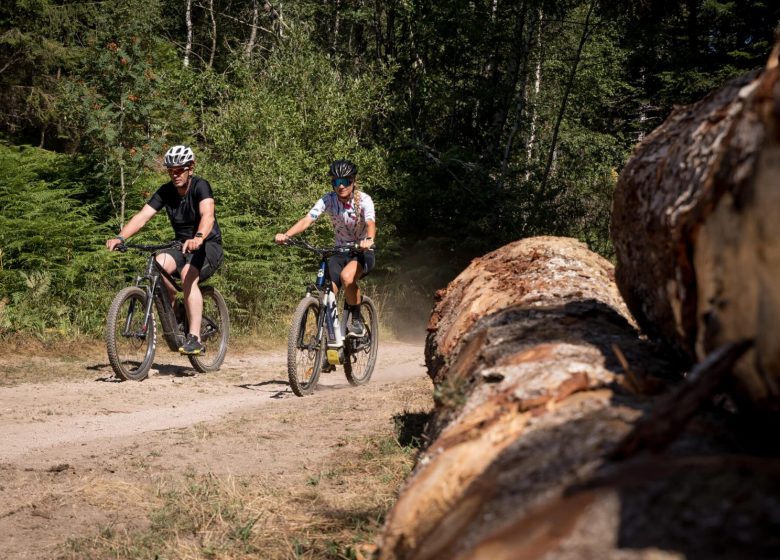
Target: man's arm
{"x": 132, "y": 227}
{"x": 206, "y": 207}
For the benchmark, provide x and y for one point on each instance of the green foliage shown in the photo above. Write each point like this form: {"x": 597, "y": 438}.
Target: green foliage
{"x": 51, "y": 270}
{"x": 268, "y": 158}
{"x": 473, "y": 124}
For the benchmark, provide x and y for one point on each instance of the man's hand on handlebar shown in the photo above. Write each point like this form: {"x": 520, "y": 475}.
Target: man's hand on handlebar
{"x": 281, "y": 238}
{"x": 192, "y": 245}
{"x": 112, "y": 243}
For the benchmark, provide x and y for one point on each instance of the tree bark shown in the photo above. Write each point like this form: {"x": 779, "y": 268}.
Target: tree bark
{"x": 188, "y": 45}
{"x": 518, "y": 343}
{"x": 536, "y": 449}
{"x": 250, "y": 45}
{"x": 696, "y": 233}
{"x": 529, "y": 150}
{"x": 564, "y": 102}
{"x": 213, "y": 34}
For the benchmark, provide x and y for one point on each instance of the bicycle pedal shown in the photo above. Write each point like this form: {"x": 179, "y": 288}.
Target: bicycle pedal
{"x": 333, "y": 357}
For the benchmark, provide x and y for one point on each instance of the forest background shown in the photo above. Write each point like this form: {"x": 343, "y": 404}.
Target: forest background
{"x": 473, "y": 123}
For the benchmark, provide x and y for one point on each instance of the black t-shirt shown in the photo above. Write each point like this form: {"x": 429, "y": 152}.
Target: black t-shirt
{"x": 184, "y": 212}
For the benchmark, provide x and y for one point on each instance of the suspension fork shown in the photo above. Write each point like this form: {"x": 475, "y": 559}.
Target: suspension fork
{"x": 131, "y": 312}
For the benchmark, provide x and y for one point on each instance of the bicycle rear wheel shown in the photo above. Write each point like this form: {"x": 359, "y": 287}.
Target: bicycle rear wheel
{"x": 305, "y": 347}
{"x": 360, "y": 353}
{"x": 214, "y": 331}
{"x": 130, "y": 341}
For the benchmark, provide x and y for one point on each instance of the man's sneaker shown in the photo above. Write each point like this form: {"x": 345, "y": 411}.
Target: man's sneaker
{"x": 356, "y": 327}
{"x": 328, "y": 368}
{"x": 192, "y": 346}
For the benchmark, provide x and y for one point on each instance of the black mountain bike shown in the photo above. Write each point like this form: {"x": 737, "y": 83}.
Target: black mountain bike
{"x": 318, "y": 340}
{"x": 131, "y": 332}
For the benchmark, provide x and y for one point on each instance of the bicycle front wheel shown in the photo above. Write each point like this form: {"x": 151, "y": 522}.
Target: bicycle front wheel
{"x": 305, "y": 347}
{"x": 360, "y": 353}
{"x": 130, "y": 341}
{"x": 214, "y": 331}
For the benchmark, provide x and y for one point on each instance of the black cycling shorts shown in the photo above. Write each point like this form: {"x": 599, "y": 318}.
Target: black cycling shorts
{"x": 336, "y": 264}
{"x": 207, "y": 259}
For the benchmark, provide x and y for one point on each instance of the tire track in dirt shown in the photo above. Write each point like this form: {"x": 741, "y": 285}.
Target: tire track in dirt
{"x": 37, "y": 418}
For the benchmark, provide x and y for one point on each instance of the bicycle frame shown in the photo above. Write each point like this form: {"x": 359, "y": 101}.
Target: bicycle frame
{"x": 329, "y": 328}
{"x": 328, "y": 325}
{"x": 156, "y": 292}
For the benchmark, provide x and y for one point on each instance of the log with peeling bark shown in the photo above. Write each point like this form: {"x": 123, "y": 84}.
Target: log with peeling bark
{"x": 697, "y": 235}
{"x": 535, "y": 450}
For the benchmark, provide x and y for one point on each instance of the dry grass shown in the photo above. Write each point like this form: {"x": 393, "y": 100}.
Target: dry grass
{"x": 326, "y": 513}
{"x": 328, "y": 510}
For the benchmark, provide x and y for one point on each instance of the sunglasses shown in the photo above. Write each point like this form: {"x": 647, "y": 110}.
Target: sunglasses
{"x": 177, "y": 170}
{"x": 341, "y": 182}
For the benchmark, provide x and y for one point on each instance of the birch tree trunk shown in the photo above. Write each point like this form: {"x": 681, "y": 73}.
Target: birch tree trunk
{"x": 336, "y": 25}
{"x": 696, "y": 233}
{"x": 213, "y": 34}
{"x": 529, "y": 151}
{"x": 188, "y": 45}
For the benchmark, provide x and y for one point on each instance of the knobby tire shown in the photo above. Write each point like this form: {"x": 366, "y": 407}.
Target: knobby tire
{"x": 130, "y": 354}
{"x": 214, "y": 331}
{"x": 305, "y": 347}
{"x": 360, "y": 353}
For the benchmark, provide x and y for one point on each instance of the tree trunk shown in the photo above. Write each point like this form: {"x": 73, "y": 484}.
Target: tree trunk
{"x": 567, "y": 91}
{"x": 250, "y": 45}
{"x": 696, "y": 233}
{"x": 213, "y": 34}
{"x": 541, "y": 383}
{"x": 122, "y": 196}
{"x": 529, "y": 150}
{"x": 188, "y": 45}
{"x": 336, "y": 25}
{"x": 518, "y": 69}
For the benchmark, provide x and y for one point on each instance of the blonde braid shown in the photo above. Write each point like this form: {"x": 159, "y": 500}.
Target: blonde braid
{"x": 358, "y": 210}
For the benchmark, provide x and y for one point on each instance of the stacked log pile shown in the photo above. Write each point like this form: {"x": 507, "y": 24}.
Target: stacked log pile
{"x": 696, "y": 232}
{"x": 559, "y": 431}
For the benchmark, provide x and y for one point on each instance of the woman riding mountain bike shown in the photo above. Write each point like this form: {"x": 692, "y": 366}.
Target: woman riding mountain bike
{"x": 352, "y": 214}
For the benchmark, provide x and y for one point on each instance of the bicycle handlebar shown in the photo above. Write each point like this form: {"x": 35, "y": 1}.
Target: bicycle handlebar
{"x": 324, "y": 251}
{"x": 175, "y": 244}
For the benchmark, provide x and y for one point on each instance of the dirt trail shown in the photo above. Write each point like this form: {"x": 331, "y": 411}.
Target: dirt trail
{"x": 58, "y": 436}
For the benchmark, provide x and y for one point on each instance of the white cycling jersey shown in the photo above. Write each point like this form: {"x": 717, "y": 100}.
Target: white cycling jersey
{"x": 349, "y": 225}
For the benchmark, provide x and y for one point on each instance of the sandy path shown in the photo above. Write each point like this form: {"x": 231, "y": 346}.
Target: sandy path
{"x": 35, "y": 419}
{"x": 80, "y": 448}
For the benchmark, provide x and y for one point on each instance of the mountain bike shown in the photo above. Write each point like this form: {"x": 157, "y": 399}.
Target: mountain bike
{"x": 318, "y": 338}
{"x": 131, "y": 331}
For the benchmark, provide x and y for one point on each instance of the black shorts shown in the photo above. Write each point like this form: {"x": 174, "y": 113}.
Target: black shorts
{"x": 207, "y": 259}
{"x": 336, "y": 264}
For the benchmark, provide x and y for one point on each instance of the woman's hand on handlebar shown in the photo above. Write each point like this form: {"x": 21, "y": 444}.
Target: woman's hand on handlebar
{"x": 366, "y": 244}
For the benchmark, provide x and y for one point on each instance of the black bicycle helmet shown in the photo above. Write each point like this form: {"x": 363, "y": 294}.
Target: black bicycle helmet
{"x": 342, "y": 168}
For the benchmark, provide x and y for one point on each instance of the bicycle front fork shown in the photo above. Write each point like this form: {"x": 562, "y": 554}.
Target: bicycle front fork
{"x": 335, "y": 330}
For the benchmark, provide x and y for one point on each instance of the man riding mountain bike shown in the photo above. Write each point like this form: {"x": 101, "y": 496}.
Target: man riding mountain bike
{"x": 189, "y": 203}
{"x": 351, "y": 212}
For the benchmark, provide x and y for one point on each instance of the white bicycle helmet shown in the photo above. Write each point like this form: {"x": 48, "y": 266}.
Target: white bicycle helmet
{"x": 178, "y": 156}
